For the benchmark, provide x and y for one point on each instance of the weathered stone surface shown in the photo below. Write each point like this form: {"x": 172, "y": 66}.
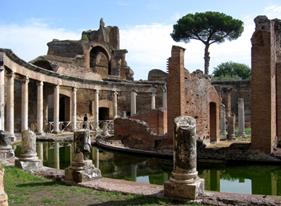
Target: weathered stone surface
{"x": 81, "y": 168}
{"x": 6, "y": 150}
{"x": 3, "y": 195}
{"x": 28, "y": 159}
{"x": 184, "y": 181}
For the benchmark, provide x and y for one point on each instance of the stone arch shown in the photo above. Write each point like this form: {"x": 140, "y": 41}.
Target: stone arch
{"x": 43, "y": 64}
{"x": 100, "y": 59}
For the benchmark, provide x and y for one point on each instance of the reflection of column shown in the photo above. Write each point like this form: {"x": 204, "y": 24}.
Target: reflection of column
{"x": 57, "y": 155}
{"x": 274, "y": 184}
{"x": 74, "y": 108}
{"x": 97, "y": 108}
{"x": 46, "y": 151}
{"x": 40, "y": 150}
{"x": 10, "y": 103}
{"x": 2, "y": 96}
{"x": 153, "y": 95}
{"x": 40, "y": 107}
{"x": 115, "y": 104}
{"x": 215, "y": 180}
{"x": 133, "y": 102}
{"x": 134, "y": 172}
{"x": 241, "y": 117}
{"x": 24, "y": 104}
{"x": 164, "y": 100}
{"x": 56, "y": 108}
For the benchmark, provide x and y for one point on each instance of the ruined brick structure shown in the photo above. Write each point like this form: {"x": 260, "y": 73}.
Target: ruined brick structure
{"x": 265, "y": 84}
{"x": 193, "y": 95}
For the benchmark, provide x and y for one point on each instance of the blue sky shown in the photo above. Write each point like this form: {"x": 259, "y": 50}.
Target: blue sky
{"x": 145, "y": 25}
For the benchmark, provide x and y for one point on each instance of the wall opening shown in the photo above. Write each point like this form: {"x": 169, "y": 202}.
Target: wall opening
{"x": 212, "y": 122}
{"x": 64, "y": 113}
{"x": 103, "y": 113}
{"x": 99, "y": 60}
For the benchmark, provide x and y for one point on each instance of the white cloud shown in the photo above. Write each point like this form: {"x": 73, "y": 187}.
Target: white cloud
{"x": 30, "y": 40}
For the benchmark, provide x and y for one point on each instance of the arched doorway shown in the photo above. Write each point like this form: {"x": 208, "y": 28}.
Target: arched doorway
{"x": 103, "y": 113}
{"x": 213, "y": 121}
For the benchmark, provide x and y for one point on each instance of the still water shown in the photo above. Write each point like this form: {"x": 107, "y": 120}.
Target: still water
{"x": 247, "y": 179}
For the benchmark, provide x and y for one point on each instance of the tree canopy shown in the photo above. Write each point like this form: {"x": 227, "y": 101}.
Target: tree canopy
{"x": 208, "y": 27}
{"x": 231, "y": 71}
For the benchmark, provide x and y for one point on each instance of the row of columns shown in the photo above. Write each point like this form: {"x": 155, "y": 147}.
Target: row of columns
{"x": 153, "y": 101}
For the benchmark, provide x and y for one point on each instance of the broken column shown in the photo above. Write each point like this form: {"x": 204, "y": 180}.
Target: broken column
{"x": 6, "y": 150}
{"x": 81, "y": 169}
{"x": 184, "y": 181}
{"x": 231, "y": 126}
{"x": 3, "y": 195}
{"x": 241, "y": 117}
{"x": 28, "y": 159}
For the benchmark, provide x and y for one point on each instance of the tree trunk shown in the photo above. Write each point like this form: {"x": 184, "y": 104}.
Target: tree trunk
{"x": 207, "y": 58}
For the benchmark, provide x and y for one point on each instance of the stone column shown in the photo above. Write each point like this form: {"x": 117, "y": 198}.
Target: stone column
{"x": 57, "y": 155}
{"x": 10, "y": 103}
{"x": 115, "y": 104}
{"x": 97, "y": 108}
{"x": 184, "y": 181}
{"x": 40, "y": 107}
{"x": 164, "y": 99}
{"x": 241, "y": 117}
{"x": 24, "y": 104}
{"x": 74, "y": 109}
{"x": 223, "y": 121}
{"x": 231, "y": 126}
{"x": 153, "y": 102}
{"x": 56, "y": 108}
{"x": 2, "y": 96}
{"x": 133, "y": 102}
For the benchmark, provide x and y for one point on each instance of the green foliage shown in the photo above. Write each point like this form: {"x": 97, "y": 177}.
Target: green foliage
{"x": 208, "y": 27}
{"x": 232, "y": 71}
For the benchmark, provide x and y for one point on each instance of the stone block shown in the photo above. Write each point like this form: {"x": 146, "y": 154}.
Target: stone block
{"x": 184, "y": 190}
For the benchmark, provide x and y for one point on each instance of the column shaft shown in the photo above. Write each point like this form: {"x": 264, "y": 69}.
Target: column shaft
{"x": 74, "y": 109}
{"x": 133, "y": 103}
{"x": 2, "y": 98}
{"x": 241, "y": 117}
{"x": 115, "y": 104}
{"x": 164, "y": 100}
{"x": 97, "y": 108}
{"x": 40, "y": 107}
{"x": 57, "y": 155}
{"x": 153, "y": 102}
{"x": 56, "y": 108}
{"x": 10, "y": 103}
{"x": 24, "y": 104}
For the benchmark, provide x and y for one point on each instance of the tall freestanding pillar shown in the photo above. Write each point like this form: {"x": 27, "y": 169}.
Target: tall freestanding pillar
{"x": 133, "y": 102}
{"x": 40, "y": 107}
{"x": 223, "y": 121}
{"x": 56, "y": 108}
{"x": 74, "y": 109}
{"x": 2, "y": 94}
{"x": 241, "y": 117}
{"x": 164, "y": 99}
{"x": 24, "y": 104}
{"x": 184, "y": 181}
{"x": 115, "y": 104}
{"x": 97, "y": 108}
{"x": 10, "y": 103}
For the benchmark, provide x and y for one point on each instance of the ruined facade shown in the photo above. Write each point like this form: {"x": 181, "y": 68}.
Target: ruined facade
{"x": 265, "y": 84}
{"x": 192, "y": 95}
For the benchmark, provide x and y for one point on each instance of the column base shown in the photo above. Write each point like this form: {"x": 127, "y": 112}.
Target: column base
{"x": 6, "y": 152}
{"x": 29, "y": 165}
{"x": 183, "y": 190}
{"x": 82, "y": 172}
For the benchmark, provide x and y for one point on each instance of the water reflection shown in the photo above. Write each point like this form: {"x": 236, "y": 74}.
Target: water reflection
{"x": 248, "y": 179}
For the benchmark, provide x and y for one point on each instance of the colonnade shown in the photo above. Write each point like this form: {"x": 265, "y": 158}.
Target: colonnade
{"x": 10, "y": 102}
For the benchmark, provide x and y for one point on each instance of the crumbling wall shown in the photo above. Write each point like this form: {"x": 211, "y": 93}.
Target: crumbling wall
{"x": 135, "y": 134}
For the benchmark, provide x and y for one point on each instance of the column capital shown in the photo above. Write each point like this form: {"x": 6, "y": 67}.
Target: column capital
{"x": 153, "y": 94}
{"x": 25, "y": 79}
{"x": 115, "y": 92}
{"x": 40, "y": 83}
{"x": 74, "y": 89}
{"x": 134, "y": 91}
{"x": 11, "y": 74}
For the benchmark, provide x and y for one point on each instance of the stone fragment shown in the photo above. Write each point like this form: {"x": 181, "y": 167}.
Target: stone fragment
{"x": 82, "y": 169}
{"x": 3, "y": 195}
{"x": 184, "y": 181}
{"x": 6, "y": 150}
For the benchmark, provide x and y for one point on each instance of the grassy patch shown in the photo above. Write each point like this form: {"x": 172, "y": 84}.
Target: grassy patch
{"x": 25, "y": 189}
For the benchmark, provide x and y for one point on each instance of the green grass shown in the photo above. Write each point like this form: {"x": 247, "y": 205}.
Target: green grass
{"x": 25, "y": 189}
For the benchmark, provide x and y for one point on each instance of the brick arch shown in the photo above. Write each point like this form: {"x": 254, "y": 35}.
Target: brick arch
{"x": 100, "y": 59}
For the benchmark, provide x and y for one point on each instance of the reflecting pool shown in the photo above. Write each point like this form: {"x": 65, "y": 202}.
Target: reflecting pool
{"x": 247, "y": 179}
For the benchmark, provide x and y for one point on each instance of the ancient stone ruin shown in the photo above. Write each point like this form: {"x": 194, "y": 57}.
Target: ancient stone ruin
{"x": 6, "y": 150}
{"x": 184, "y": 181}
{"x": 3, "y": 195}
{"x": 82, "y": 168}
{"x": 28, "y": 159}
